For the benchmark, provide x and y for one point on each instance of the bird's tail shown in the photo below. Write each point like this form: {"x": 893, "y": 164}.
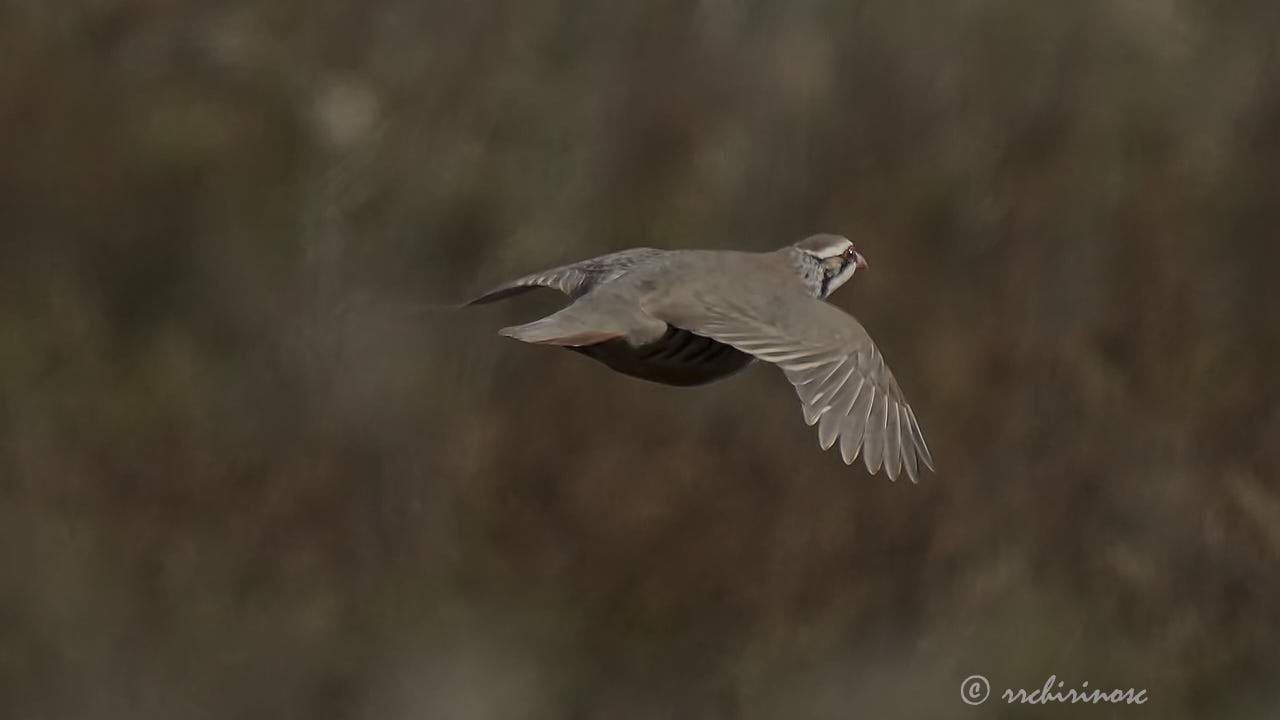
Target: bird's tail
{"x": 562, "y": 328}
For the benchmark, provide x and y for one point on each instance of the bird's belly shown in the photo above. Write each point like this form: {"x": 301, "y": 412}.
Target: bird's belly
{"x": 677, "y": 358}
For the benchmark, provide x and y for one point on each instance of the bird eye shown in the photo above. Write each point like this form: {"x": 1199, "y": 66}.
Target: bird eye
{"x": 849, "y": 252}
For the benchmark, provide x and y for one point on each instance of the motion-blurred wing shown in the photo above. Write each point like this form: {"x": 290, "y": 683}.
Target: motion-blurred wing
{"x": 576, "y": 279}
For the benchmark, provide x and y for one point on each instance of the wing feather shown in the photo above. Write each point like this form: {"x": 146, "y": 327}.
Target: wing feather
{"x": 852, "y": 434}
{"x": 839, "y": 409}
{"x": 893, "y": 442}
{"x": 873, "y": 439}
{"x": 922, "y": 448}
{"x": 904, "y": 432}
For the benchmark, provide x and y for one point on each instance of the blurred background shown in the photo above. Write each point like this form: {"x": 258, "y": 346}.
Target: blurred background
{"x": 247, "y": 470}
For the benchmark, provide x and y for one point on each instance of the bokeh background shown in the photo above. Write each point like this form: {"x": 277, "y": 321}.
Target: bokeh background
{"x": 250, "y": 469}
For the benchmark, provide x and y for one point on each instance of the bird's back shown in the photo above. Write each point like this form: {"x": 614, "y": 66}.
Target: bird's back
{"x": 678, "y": 356}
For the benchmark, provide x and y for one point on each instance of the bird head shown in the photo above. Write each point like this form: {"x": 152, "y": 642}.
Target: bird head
{"x": 827, "y": 262}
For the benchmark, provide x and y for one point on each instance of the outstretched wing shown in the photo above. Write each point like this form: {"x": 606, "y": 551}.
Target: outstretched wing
{"x": 576, "y": 279}
{"x": 842, "y": 380}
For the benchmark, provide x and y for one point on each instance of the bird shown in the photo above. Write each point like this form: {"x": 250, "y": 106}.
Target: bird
{"x": 689, "y": 317}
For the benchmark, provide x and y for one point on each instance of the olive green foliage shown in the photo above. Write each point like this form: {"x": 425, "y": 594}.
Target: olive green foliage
{"x": 250, "y": 467}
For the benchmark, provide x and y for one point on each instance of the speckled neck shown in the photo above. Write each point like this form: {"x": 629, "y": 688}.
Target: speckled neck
{"x": 809, "y": 268}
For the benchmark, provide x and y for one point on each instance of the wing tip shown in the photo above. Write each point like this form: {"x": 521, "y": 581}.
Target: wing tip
{"x": 912, "y": 471}
{"x": 811, "y": 416}
{"x": 921, "y": 447}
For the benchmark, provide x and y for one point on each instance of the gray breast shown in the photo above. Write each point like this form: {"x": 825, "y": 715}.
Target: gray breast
{"x": 679, "y": 357}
